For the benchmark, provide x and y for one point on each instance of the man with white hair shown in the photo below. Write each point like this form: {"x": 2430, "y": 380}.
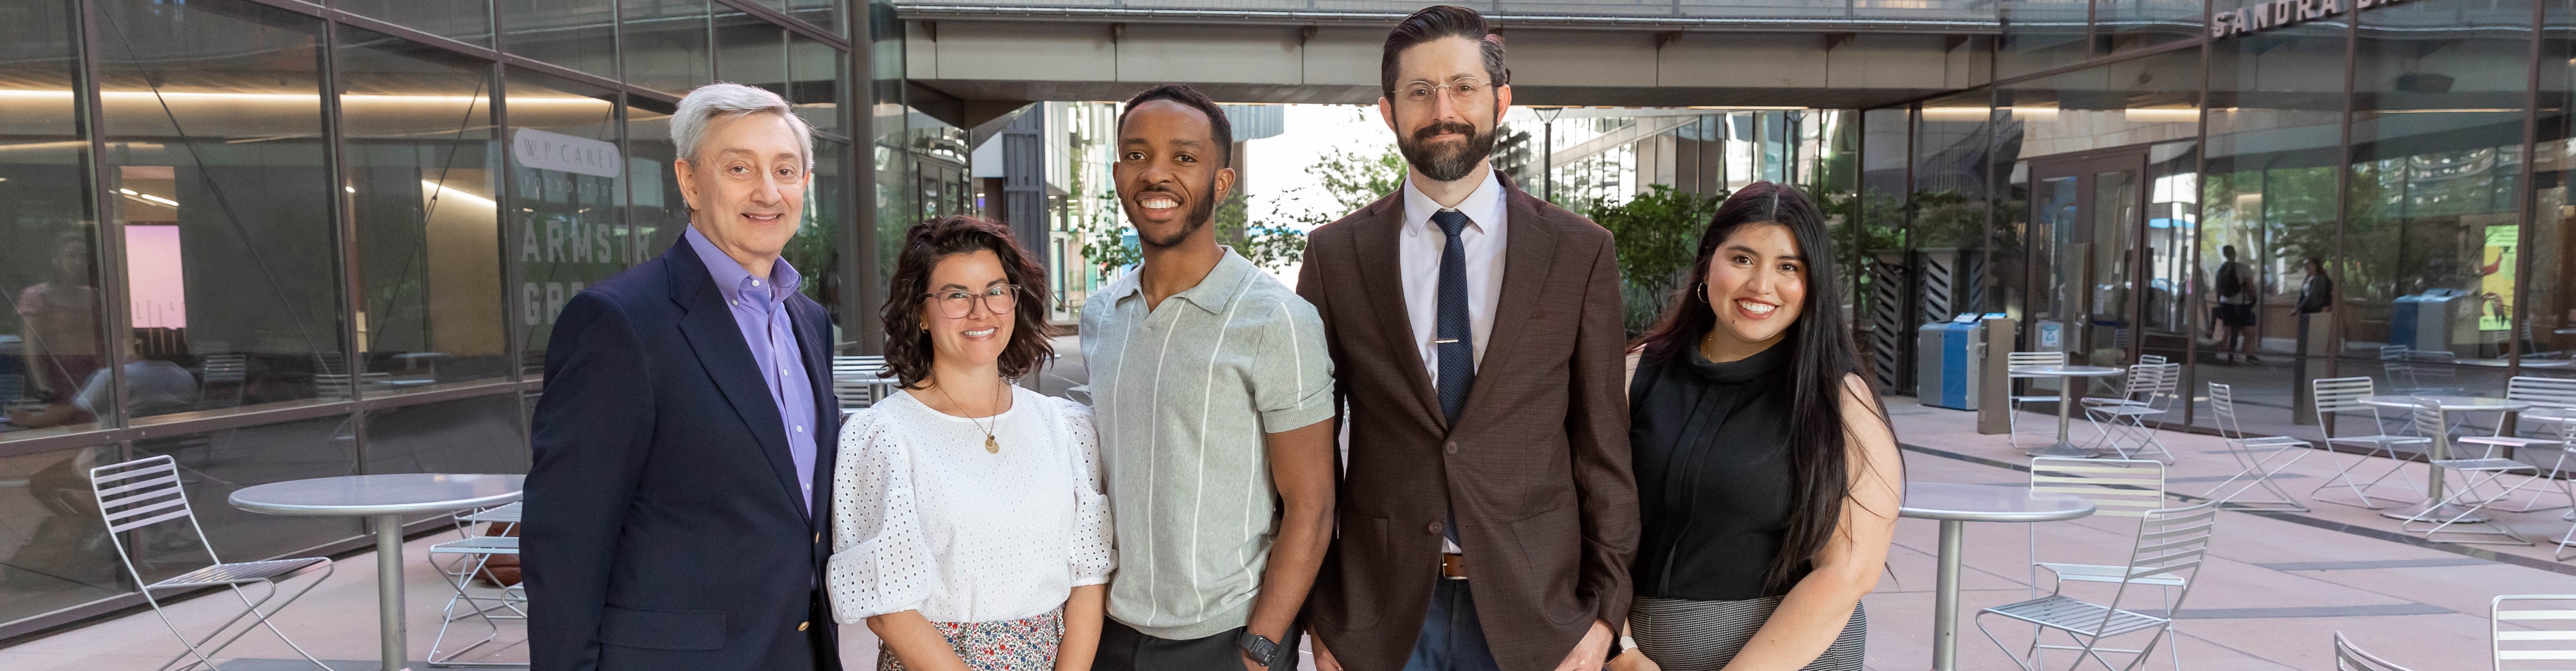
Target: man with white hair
{"x": 671, "y": 506}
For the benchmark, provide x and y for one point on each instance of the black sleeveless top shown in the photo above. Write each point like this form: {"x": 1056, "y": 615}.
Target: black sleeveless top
{"x": 1709, "y": 443}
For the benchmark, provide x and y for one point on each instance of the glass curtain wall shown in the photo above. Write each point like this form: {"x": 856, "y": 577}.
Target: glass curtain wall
{"x": 275, "y": 241}
{"x": 2376, "y": 192}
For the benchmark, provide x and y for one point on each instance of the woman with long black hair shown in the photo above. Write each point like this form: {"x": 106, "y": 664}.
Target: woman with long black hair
{"x": 1766, "y": 469}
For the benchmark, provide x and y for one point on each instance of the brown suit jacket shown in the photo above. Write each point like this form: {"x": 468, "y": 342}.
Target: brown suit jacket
{"x": 1538, "y": 463}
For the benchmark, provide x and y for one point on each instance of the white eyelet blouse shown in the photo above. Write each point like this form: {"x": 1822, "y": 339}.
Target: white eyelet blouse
{"x": 924, "y": 519}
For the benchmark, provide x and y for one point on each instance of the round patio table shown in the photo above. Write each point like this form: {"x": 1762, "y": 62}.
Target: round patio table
{"x": 2440, "y": 450}
{"x": 1955, "y": 505}
{"x": 2065, "y": 402}
{"x": 387, "y": 498}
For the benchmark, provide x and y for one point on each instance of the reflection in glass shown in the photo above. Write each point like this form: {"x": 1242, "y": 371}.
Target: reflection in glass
{"x": 422, "y": 162}
{"x": 54, "y": 552}
{"x": 751, "y": 52}
{"x": 2433, "y": 215}
{"x": 576, "y": 34}
{"x": 664, "y": 44}
{"x": 815, "y": 73}
{"x": 214, "y": 132}
{"x": 475, "y": 435}
{"x": 565, "y": 186}
{"x": 213, "y": 465}
{"x": 2121, "y": 26}
{"x": 2040, "y": 34}
{"x": 816, "y": 250}
{"x": 2548, "y": 290}
{"x": 50, "y": 339}
{"x": 825, "y": 14}
{"x": 468, "y": 21}
{"x": 654, "y": 204}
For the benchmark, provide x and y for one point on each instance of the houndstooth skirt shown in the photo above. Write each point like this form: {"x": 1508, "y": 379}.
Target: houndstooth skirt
{"x": 1026, "y": 644}
{"x": 1704, "y": 635}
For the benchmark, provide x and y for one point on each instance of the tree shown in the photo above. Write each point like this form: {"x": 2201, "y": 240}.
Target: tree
{"x": 1657, "y": 238}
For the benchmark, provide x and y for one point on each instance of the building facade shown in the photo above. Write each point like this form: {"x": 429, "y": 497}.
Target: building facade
{"x": 276, "y": 239}
{"x": 2417, "y": 152}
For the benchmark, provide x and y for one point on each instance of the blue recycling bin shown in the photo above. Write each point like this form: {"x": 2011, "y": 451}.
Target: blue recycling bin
{"x": 1948, "y": 358}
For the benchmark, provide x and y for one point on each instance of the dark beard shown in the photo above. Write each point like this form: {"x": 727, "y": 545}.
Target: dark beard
{"x": 1200, "y": 210}
{"x": 1441, "y": 165}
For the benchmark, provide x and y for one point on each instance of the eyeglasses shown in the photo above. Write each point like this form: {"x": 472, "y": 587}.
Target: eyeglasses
{"x": 1462, "y": 89}
{"x": 957, "y": 303}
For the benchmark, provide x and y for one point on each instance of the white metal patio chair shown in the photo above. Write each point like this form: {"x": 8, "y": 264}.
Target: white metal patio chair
{"x": 2339, "y": 398}
{"x": 2349, "y": 657}
{"x": 2556, "y": 443}
{"x": 2014, "y": 402}
{"x": 2258, "y": 458}
{"x": 2117, "y": 488}
{"x": 145, "y": 492}
{"x": 2552, "y": 399}
{"x": 2169, "y": 548}
{"x": 2431, "y": 422}
{"x": 473, "y": 552}
{"x": 859, "y": 382}
{"x": 2151, "y": 390}
{"x": 2532, "y": 632}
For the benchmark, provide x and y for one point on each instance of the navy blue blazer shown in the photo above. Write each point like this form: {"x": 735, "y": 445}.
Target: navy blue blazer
{"x": 662, "y": 528}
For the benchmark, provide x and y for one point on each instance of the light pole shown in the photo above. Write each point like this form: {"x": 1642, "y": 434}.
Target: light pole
{"x": 1547, "y": 147}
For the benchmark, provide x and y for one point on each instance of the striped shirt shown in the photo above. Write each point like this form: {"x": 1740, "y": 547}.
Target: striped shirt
{"x": 1183, "y": 395}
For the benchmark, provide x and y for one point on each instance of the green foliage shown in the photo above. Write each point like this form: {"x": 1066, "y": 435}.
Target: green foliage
{"x": 1351, "y": 180}
{"x": 1657, "y": 234}
{"x": 1104, "y": 237}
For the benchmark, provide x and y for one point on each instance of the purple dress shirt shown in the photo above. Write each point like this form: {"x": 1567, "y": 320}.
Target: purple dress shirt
{"x": 760, "y": 309}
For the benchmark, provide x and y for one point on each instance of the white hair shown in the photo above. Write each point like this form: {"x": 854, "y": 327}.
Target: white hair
{"x": 729, "y": 100}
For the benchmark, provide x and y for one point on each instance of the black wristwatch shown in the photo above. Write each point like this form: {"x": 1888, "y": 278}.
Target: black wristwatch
{"x": 1260, "y": 648}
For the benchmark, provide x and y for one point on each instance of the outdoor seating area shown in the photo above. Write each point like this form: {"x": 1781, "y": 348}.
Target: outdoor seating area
{"x": 2220, "y": 556}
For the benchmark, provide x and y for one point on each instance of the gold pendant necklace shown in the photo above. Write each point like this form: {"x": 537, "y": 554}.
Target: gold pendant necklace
{"x": 991, "y": 446}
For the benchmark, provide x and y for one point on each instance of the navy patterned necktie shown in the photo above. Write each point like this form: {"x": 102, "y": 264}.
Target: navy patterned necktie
{"x": 1456, "y": 342}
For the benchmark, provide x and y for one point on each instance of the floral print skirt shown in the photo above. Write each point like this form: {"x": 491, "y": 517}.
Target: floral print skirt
{"x": 1026, "y": 644}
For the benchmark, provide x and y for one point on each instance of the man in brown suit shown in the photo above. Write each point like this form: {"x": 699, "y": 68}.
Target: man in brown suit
{"x": 1479, "y": 456}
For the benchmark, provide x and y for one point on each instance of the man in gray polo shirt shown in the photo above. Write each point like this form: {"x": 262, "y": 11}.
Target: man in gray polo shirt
{"x": 1213, "y": 392}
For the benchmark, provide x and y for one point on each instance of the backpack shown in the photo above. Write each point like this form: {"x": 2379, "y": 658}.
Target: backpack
{"x": 2231, "y": 279}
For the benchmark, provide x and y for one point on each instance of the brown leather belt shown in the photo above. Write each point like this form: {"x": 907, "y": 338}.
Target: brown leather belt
{"x": 1453, "y": 566}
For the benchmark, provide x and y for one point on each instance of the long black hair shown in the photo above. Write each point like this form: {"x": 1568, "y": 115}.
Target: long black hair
{"x": 1822, "y": 351}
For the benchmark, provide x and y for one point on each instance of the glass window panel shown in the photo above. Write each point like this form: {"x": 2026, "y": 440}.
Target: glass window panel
{"x": 825, "y": 14}
{"x": 815, "y": 252}
{"x": 891, "y": 160}
{"x": 2268, "y": 190}
{"x": 54, "y": 552}
{"x": 2040, "y": 34}
{"x": 214, "y": 464}
{"x": 51, "y": 339}
{"x": 814, "y": 87}
{"x": 751, "y": 51}
{"x": 2123, "y": 26}
{"x": 422, "y": 163}
{"x": 653, "y": 193}
{"x": 665, "y": 44}
{"x": 575, "y": 34}
{"x": 2433, "y": 232}
{"x": 564, "y": 184}
{"x": 2552, "y": 299}
{"x": 215, "y": 150}
{"x": 468, "y": 21}
{"x": 475, "y": 435}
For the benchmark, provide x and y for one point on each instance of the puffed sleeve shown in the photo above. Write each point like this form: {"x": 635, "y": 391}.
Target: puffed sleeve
{"x": 880, "y": 564}
{"x": 1092, "y": 560}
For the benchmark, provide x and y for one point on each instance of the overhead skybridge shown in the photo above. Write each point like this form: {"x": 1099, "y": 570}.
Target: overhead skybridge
{"x": 968, "y": 61}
